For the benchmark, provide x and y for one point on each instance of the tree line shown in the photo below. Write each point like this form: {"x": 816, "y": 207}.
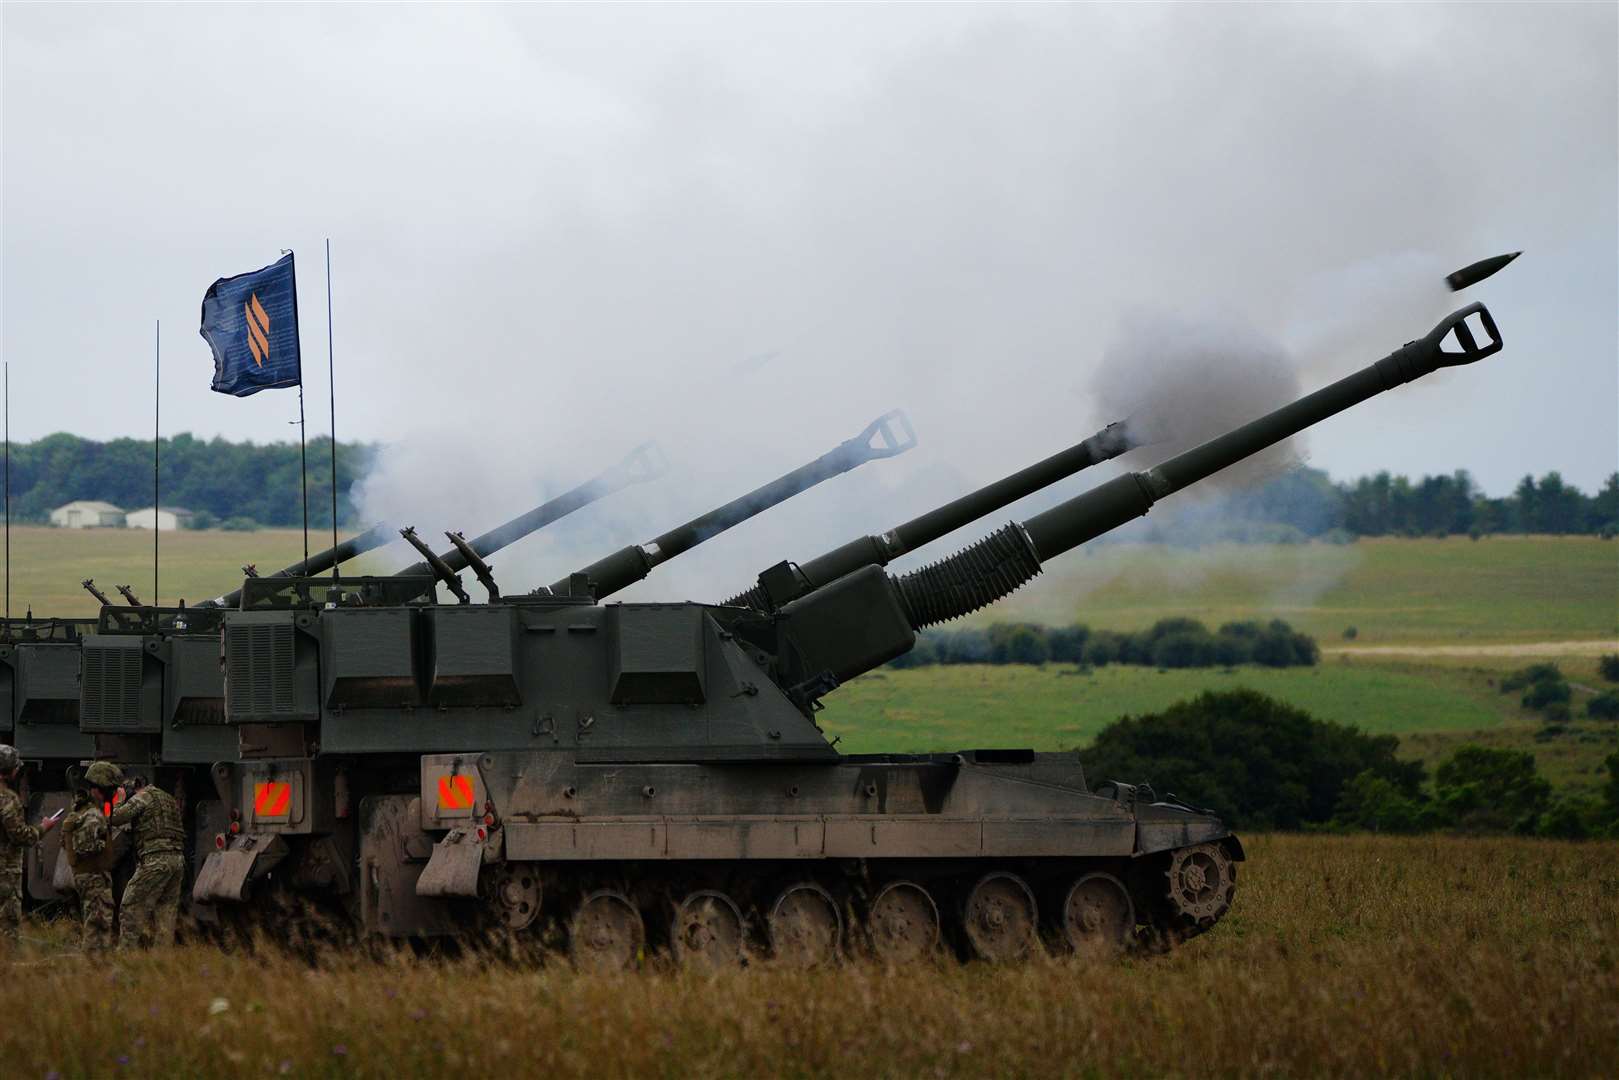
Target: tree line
{"x": 259, "y": 483}
{"x": 241, "y": 483}
{"x": 1310, "y": 502}
{"x": 1169, "y": 643}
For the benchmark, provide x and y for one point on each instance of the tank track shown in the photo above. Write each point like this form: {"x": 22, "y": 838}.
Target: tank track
{"x": 631, "y": 915}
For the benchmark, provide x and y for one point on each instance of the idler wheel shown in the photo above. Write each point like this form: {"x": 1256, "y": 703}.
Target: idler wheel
{"x": 1000, "y": 918}
{"x": 1097, "y": 916}
{"x": 514, "y": 892}
{"x": 707, "y": 931}
{"x": 606, "y": 934}
{"x": 903, "y": 923}
{"x": 805, "y": 927}
{"x": 1202, "y": 880}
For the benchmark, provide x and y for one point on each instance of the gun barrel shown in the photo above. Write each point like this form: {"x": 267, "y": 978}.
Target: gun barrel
{"x": 881, "y": 549}
{"x": 643, "y": 463}
{"x": 374, "y": 537}
{"x": 887, "y": 436}
{"x": 1003, "y": 561}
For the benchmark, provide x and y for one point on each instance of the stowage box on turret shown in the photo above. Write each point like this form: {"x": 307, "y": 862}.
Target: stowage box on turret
{"x": 615, "y": 777}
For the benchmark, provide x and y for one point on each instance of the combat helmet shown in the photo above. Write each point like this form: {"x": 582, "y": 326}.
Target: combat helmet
{"x": 103, "y": 774}
{"x": 9, "y": 758}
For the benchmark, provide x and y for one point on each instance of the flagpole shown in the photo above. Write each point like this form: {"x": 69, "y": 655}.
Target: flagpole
{"x": 157, "y": 382}
{"x": 8, "y": 491}
{"x": 303, "y": 452}
{"x": 331, "y": 386}
{"x": 303, "y": 468}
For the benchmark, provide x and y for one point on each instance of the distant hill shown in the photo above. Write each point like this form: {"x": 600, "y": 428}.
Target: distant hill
{"x": 215, "y": 478}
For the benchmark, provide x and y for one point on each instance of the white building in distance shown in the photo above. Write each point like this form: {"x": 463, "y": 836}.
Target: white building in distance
{"x": 87, "y": 514}
{"x": 168, "y": 518}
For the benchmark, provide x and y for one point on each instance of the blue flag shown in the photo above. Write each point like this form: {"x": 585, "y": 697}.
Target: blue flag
{"x": 251, "y": 323}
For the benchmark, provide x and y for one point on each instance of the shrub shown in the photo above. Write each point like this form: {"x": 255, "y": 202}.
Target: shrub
{"x": 1608, "y": 667}
{"x": 1604, "y": 706}
{"x": 1373, "y": 803}
{"x": 1546, "y": 692}
{"x": 1258, "y": 762}
{"x": 1528, "y": 676}
{"x": 1184, "y": 649}
{"x": 1610, "y": 792}
{"x": 1104, "y": 647}
{"x": 1571, "y": 817}
{"x": 1557, "y": 712}
{"x": 1485, "y": 790}
{"x": 1067, "y": 643}
{"x": 1350, "y": 633}
{"x": 1018, "y": 644}
{"x": 202, "y": 519}
{"x": 1279, "y": 645}
{"x": 964, "y": 647}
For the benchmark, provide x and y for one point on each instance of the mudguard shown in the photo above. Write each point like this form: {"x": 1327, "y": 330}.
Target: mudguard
{"x": 225, "y": 874}
{"x": 453, "y": 868}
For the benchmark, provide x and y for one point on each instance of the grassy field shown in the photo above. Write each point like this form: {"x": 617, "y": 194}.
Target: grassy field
{"x": 48, "y": 564}
{"x": 1500, "y": 589}
{"x": 1434, "y": 706}
{"x": 1344, "y": 956}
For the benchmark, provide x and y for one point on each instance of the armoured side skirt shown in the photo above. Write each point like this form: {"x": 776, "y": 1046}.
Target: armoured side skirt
{"x": 811, "y": 837}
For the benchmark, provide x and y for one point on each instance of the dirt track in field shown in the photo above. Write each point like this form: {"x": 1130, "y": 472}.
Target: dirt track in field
{"x": 1533, "y": 648}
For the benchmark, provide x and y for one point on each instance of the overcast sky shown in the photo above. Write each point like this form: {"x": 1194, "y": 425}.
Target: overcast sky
{"x": 748, "y": 231}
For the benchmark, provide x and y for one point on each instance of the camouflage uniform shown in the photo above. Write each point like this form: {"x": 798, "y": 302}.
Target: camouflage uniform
{"x": 153, "y": 894}
{"x": 84, "y": 839}
{"x": 16, "y": 836}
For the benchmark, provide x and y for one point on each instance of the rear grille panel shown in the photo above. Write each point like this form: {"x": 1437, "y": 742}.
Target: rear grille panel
{"x": 258, "y": 671}
{"x": 110, "y": 693}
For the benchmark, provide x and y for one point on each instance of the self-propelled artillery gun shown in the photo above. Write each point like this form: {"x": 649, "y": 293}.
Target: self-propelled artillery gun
{"x": 614, "y": 777}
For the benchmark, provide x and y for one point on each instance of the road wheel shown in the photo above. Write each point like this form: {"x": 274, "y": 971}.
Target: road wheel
{"x": 903, "y": 923}
{"x": 707, "y": 931}
{"x": 1000, "y": 918}
{"x": 805, "y": 927}
{"x": 607, "y": 934}
{"x": 1098, "y": 916}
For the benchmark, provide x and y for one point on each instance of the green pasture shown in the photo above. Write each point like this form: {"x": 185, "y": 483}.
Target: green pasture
{"x": 48, "y": 564}
{"x": 1433, "y": 707}
{"x": 1499, "y": 589}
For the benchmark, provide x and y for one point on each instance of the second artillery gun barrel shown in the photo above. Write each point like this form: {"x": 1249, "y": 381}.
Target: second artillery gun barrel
{"x": 887, "y": 436}
{"x": 793, "y": 581}
{"x": 643, "y": 463}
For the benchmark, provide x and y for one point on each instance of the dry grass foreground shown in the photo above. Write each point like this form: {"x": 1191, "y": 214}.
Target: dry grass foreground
{"x": 1343, "y": 956}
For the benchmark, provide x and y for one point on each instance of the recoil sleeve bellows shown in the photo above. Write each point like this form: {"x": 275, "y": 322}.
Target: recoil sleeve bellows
{"x": 974, "y": 577}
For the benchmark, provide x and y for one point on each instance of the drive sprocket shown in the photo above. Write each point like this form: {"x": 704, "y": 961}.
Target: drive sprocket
{"x": 1201, "y": 881}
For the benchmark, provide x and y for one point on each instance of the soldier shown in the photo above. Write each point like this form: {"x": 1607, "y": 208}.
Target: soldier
{"x": 16, "y": 835}
{"x": 85, "y": 840}
{"x": 152, "y": 897}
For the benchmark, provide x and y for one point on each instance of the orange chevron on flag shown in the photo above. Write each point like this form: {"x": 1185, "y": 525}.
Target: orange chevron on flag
{"x": 258, "y": 329}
